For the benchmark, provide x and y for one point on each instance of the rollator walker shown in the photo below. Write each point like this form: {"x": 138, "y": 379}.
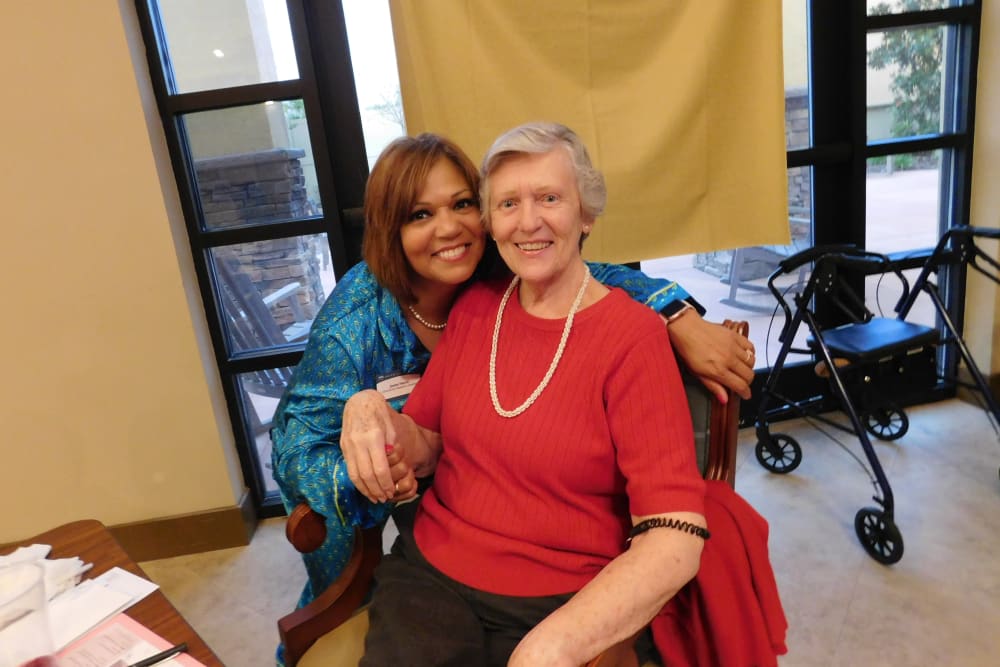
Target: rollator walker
{"x": 856, "y": 357}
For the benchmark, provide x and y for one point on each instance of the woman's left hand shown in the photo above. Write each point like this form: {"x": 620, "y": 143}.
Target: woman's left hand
{"x": 720, "y": 357}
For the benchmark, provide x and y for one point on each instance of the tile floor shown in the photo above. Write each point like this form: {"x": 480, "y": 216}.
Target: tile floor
{"x": 940, "y": 605}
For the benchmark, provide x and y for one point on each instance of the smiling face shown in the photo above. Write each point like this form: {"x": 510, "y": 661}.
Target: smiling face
{"x": 536, "y": 218}
{"x": 443, "y": 239}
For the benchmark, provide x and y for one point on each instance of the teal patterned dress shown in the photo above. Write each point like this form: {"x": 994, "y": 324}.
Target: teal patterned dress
{"x": 360, "y": 337}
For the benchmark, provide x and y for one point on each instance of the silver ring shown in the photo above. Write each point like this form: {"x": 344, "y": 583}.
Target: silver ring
{"x": 749, "y": 355}
{"x": 396, "y": 486}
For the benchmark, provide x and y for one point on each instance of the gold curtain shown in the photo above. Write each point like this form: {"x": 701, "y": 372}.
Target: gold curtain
{"x": 680, "y": 102}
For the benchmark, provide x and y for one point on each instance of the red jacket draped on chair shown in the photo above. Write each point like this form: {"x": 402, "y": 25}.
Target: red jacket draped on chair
{"x": 730, "y": 615}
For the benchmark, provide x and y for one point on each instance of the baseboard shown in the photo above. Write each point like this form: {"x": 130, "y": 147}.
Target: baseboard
{"x": 969, "y": 395}
{"x": 188, "y": 533}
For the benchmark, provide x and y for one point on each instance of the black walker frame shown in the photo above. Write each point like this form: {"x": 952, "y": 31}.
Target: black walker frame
{"x": 851, "y": 354}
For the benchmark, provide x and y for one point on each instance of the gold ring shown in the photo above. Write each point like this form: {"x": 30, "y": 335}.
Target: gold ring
{"x": 396, "y": 486}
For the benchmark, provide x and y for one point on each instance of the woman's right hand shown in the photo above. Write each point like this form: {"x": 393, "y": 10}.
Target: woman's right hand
{"x": 367, "y": 430}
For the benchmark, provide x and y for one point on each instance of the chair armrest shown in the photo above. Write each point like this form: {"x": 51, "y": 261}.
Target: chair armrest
{"x": 299, "y": 630}
{"x": 305, "y": 529}
{"x": 724, "y": 430}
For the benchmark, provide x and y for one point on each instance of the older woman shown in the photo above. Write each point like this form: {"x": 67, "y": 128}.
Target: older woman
{"x": 554, "y": 417}
{"x": 423, "y": 243}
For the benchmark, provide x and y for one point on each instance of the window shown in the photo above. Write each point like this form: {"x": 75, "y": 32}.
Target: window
{"x": 269, "y": 151}
{"x": 879, "y": 102}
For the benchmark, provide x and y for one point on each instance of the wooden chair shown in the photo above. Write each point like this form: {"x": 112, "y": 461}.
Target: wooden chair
{"x": 331, "y": 629}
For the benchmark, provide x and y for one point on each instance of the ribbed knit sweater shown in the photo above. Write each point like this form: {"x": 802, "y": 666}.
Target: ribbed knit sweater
{"x": 538, "y": 504}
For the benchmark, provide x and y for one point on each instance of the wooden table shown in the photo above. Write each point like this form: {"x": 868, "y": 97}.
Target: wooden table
{"x": 93, "y": 543}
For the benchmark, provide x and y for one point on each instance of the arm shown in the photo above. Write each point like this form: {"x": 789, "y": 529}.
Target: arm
{"x": 713, "y": 352}
{"x": 720, "y": 357}
{"x": 370, "y": 427}
{"x": 651, "y": 431}
{"x": 619, "y": 601}
{"x": 308, "y": 463}
{"x": 657, "y": 293}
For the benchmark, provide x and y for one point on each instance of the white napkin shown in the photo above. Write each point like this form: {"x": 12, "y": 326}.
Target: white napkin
{"x": 60, "y": 573}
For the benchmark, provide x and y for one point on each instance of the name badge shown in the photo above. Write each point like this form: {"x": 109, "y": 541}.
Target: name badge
{"x": 394, "y": 386}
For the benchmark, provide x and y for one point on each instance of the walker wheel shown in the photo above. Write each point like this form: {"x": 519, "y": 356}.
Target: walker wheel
{"x": 887, "y": 422}
{"x": 780, "y": 455}
{"x": 879, "y": 536}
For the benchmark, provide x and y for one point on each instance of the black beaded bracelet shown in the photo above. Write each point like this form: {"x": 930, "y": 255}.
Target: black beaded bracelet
{"x": 660, "y": 522}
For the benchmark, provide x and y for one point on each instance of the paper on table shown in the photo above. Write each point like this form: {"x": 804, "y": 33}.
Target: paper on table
{"x": 79, "y": 609}
{"x": 124, "y": 581}
{"x": 120, "y": 640}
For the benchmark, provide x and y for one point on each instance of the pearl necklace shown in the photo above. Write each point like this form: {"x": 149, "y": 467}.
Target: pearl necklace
{"x": 555, "y": 361}
{"x": 436, "y": 327}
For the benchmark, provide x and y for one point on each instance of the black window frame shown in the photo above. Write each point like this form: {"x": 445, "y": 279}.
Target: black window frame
{"x": 326, "y": 87}
{"x": 839, "y": 151}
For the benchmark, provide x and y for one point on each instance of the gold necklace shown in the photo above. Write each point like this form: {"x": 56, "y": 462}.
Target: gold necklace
{"x": 436, "y": 327}
{"x": 555, "y": 361}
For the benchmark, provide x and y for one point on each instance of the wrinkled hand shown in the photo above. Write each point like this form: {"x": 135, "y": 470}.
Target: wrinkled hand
{"x": 535, "y": 650}
{"x": 403, "y": 477}
{"x": 368, "y": 440}
{"x": 720, "y": 357}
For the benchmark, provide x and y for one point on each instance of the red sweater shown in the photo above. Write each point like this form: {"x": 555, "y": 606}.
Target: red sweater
{"x": 540, "y": 503}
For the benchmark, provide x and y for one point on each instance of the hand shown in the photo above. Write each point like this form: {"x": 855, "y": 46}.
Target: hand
{"x": 367, "y": 429}
{"x": 403, "y": 477}
{"x": 720, "y": 357}
{"x": 536, "y": 651}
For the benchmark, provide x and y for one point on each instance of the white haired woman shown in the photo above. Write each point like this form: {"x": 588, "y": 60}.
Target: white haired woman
{"x": 556, "y": 424}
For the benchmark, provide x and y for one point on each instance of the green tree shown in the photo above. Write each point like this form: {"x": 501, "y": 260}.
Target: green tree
{"x": 914, "y": 57}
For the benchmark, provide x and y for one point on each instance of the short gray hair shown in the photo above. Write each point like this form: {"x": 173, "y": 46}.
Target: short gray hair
{"x": 544, "y": 137}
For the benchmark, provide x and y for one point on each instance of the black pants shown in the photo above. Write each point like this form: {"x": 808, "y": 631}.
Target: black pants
{"x": 421, "y": 618}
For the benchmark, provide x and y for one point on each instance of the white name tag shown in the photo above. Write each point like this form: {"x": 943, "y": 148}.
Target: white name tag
{"x": 397, "y": 385}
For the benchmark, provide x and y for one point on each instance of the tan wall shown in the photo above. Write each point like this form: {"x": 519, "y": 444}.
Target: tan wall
{"x": 110, "y": 405}
{"x": 983, "y": 300}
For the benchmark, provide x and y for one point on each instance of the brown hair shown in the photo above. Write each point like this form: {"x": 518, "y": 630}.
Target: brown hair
{"x": 393, "y": 186}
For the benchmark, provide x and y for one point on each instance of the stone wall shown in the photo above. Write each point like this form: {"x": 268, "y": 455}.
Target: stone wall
{"x": 259, "y": 187}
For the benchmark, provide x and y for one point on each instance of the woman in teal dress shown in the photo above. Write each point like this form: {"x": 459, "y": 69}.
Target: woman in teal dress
{"x": 423, "y": 242}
